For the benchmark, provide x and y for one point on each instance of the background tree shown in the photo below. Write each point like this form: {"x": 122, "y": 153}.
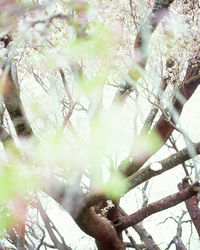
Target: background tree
{"x": 92, "y": 94}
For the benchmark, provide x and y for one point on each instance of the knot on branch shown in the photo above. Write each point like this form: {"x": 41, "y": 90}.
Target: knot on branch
{"x": 185, "y": 184}
{"x": 117, "y": 222}
{"x": 196, "y": 188}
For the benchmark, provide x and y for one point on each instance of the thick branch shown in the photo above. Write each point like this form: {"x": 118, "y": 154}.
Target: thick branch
{"x": 167, "y": 164}
{"x": 13, "y": 102}
{"x": 192, "y": 207}
{"x": 167, "y": 202}
{"x": 86, "y": 218}
{"x": 134, "y": 180}
{"x": 99, "y": 228}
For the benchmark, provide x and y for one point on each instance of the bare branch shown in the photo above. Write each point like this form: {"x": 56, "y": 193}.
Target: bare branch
{"x": 49, "y": 228}
{"x": 144, "y": 235}
{"x": 169, "y": 201}
{"x": 192, "y": 207}
{"x": 166, "y": 164}
{"x": 132, "y": 241}
{"x": 163, "y": 127}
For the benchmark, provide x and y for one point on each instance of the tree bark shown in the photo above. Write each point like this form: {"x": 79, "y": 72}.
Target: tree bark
{"x": 192, "y": 206}
{"x": 101, "y": 229}
{"x": 165, "y": 203}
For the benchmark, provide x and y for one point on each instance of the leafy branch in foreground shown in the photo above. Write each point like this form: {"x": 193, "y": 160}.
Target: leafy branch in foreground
{"x": 65, "y": 143}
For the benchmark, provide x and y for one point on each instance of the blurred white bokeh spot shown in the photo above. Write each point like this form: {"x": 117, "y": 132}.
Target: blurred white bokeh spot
{"x": 156, "y": 166}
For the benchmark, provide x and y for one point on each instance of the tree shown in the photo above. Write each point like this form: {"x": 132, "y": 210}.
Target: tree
{"x": 66, "y": 137}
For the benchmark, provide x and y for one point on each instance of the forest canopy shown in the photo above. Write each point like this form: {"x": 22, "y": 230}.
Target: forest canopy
{"x": 99, "y": 124}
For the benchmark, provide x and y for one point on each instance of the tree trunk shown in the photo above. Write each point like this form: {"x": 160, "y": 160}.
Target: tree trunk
{"x": 111, "y": 246}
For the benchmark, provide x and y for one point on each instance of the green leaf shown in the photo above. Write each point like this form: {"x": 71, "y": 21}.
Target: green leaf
{"x": 116, "y": 186}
